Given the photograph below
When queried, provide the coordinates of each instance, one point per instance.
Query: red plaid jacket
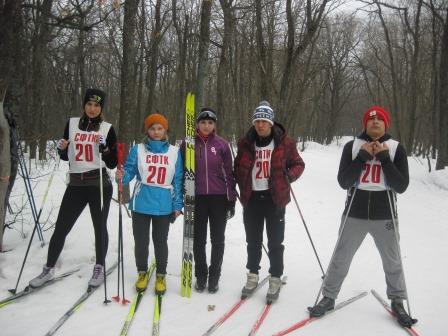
(286, 166)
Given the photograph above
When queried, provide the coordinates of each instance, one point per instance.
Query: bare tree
(204, 42)
(127, 95)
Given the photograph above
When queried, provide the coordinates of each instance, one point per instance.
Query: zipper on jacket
(206, 163)
(368, 206)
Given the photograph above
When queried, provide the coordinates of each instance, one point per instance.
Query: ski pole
(392, 212)
(28, 188)
(120, 186)
(103, 229)
(36, 224)
(341, 230)
(120, 153)
(307, 231)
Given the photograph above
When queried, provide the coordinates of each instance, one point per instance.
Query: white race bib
(372, 177)
(157, 169)
(83, 151)
(262, 167)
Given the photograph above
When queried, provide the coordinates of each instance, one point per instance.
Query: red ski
(308, 320)
(232, 310)
(410, 330)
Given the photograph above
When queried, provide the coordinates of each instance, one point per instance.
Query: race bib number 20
(371, 173)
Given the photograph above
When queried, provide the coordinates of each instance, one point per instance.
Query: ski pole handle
(120, 153)
(120, 160)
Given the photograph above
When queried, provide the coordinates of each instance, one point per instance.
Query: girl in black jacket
(89, 144)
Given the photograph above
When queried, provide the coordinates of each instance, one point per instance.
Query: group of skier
(373, 168)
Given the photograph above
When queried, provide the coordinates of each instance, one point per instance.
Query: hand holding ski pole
(62, 144)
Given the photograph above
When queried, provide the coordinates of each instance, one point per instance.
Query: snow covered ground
(423, 212)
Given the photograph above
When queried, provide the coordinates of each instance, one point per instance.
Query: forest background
(320, 63)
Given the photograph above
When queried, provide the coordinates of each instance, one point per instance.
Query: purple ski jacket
(214, 167)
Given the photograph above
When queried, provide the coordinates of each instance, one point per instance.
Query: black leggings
(211, 208)
(73, 203)
(160, 228)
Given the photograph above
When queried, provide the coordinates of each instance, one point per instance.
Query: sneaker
(401, 314)
(46, 275)
(213, 283)
(160, 287)
(142, 281)
(200, 284)
(97, 276)
(324, 305)
(275, 284)
(251, 284)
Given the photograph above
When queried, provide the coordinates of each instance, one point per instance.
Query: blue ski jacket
(152, 200)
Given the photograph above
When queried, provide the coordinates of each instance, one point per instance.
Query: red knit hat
(379, 112)
(156, 118)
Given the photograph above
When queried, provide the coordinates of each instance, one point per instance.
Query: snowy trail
(423, 213)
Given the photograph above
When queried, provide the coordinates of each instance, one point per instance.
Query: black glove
(230, 209)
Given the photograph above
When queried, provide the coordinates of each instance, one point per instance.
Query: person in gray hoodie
(215, 199)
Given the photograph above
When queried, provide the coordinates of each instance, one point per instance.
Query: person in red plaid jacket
(266, 163)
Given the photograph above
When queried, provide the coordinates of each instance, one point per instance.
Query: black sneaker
(213, 283)
(200, 284)
(322, 307)
(401, 314)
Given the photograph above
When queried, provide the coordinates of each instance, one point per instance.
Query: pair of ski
(189, 185)
(90, 290)
(135, 304)
(29, 290)
(267, 308)
(342, 304)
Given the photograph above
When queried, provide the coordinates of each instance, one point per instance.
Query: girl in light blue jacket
(157, 196)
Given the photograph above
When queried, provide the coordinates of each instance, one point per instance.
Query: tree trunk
(262, 64)
(413, 94)
(127, 94)
(395, 108)
(5, 159)
(204, 41)
(38, 78)
(182, 38)
(442, 159)
(156, 36)
(223, 85)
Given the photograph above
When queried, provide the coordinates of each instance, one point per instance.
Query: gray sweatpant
(353, 235)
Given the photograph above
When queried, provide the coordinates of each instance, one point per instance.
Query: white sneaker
(46, 275)
(274, 289)
(251, 284)
(97, 276)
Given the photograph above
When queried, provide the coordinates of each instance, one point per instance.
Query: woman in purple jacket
(215, 199)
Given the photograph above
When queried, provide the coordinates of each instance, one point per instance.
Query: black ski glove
(230, 209)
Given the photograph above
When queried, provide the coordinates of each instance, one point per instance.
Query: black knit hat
(207, 113)
(95, 95)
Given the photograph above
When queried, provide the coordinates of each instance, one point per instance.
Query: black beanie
(95, 95)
